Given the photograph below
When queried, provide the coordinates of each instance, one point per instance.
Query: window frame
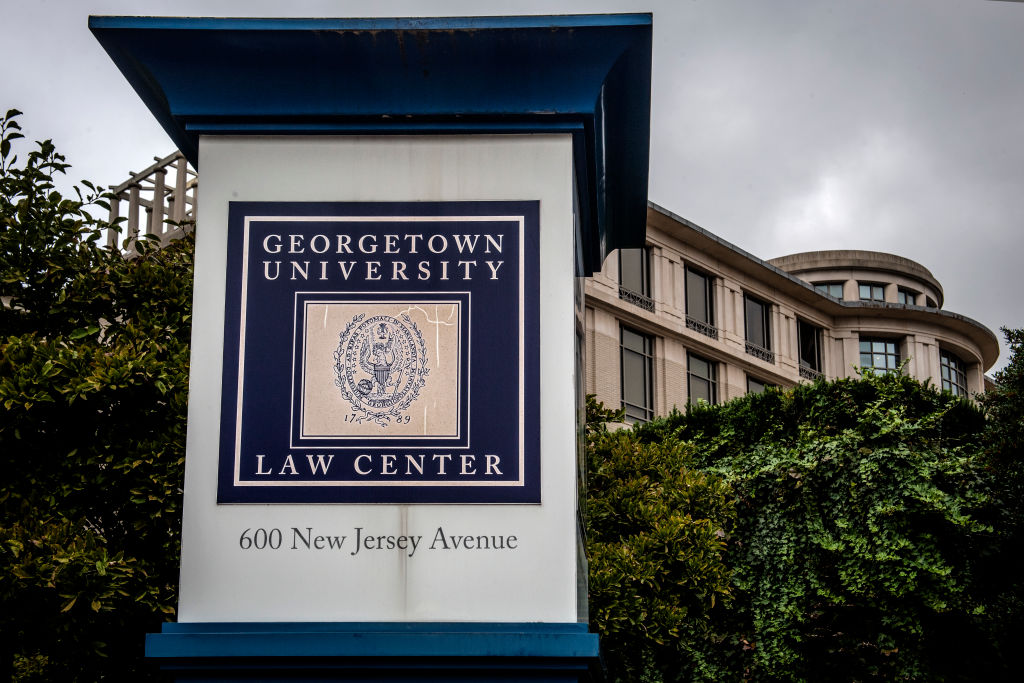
(711, 380)
(647, 356)
(806, 369)
(642, 298)
(826, 288)
(759, 348)
(704, 326)
(908, 294)
(952, 368)
(872, 286)
(764, 385)
(872, 352)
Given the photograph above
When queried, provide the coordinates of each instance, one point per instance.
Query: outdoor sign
(381, 386)
(381, 352)
(380, 470)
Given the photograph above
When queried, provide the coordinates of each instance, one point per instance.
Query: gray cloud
(783, 126)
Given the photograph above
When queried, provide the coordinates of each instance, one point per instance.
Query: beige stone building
(693, 317)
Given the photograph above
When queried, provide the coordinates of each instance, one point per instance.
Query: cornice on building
(858, 260)
(774, 277)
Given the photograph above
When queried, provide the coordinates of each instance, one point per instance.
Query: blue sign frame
(381, 352)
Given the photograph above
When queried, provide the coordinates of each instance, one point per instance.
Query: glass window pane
(756, 322)
(879, 354)
(634, 341)
(633, 389)
(701, 379)
(698, 297)
(809, 340)
(832, 288)
(871, 292)
(700, 389)
(636, 375)
(632, 269)
(954, 373)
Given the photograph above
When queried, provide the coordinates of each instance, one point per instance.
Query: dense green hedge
(868, 536)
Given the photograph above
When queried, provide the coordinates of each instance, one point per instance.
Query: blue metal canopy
(589, 76)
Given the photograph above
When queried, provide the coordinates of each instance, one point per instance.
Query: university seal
(380, 366)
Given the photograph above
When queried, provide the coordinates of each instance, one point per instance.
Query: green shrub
(859, 509)
(93, 392)
(656, 540)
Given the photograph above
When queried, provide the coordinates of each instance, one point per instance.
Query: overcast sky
(781, 125)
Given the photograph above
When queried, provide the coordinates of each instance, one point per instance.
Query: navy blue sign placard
(381, 352)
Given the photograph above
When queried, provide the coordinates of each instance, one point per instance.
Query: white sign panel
(335, 471)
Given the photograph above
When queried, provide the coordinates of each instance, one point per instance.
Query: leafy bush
(93, 391)
(656, 542)
(859, 508)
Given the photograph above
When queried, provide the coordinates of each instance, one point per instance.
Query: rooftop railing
(159, 201)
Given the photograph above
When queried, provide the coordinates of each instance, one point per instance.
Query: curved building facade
(692, 317)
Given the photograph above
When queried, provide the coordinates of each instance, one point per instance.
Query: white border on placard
(521, 455)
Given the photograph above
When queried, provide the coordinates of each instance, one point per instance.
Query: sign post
(381, 467)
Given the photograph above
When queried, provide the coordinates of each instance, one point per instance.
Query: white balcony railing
(159, 200)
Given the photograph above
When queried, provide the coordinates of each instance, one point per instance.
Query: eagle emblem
(380, 366)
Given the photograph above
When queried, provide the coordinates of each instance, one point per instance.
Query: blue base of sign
(396, 652)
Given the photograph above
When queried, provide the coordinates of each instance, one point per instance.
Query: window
(880, 355)
(930, 302)
(954, 373)
(831, 288)
(906, 296)
(636, 367)
(756, 386)
(635, 277)
(758, 328)
(700, 309)
(870, 291)
(809, 340)
(701, 379)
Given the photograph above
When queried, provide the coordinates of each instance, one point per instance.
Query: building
(692, 317)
